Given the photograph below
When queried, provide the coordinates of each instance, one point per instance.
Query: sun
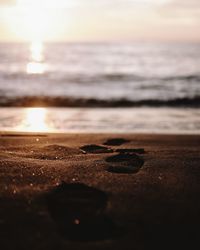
(41, 20)
(35, 18)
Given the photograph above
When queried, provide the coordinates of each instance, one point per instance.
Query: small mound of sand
(52, 152)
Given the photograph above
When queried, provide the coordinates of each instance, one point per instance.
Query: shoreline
(102, 191)
(99, 120)
(85, 134)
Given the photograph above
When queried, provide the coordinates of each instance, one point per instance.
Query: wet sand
(86, 191)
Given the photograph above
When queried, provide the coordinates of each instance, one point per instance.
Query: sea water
(138, 74)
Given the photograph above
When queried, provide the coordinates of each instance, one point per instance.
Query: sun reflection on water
(35, 120)
(35, 68)
(36, 64)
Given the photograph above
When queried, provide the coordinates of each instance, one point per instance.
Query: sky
(100, 20)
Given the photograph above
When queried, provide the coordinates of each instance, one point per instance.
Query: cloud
(191, 4)
(7, 2)
(87, 3)
(183, 5)
(112, 3)
(183, 13)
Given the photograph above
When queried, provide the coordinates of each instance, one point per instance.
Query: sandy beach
(83, 191)
(99, 125)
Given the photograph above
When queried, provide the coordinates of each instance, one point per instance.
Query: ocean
(118, 80)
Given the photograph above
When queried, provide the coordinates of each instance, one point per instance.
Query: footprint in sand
(115, 142)
(124, 163)
(80, 212)
(95, 149)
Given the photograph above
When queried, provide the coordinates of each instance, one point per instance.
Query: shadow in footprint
(124, 163)
(95, 149)
(79, 212)
(115, 142)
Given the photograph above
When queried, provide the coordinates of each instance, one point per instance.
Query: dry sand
(91, 192)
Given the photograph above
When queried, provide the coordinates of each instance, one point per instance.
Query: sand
(90, 191)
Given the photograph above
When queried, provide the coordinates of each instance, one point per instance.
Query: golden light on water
(36, 64)
(35, 68)
(37, 25)
(35, 120)
(37, 51)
